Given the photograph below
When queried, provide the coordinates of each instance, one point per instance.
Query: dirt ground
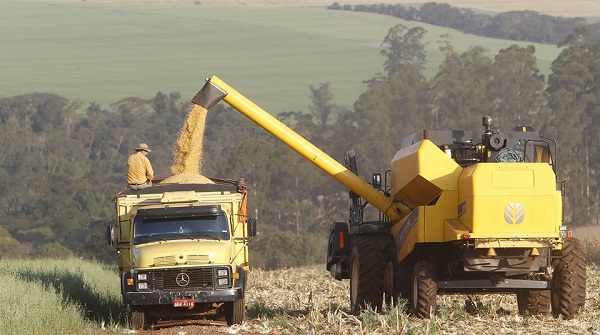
(570, 8)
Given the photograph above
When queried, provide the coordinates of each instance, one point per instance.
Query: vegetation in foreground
(72, 296)
(51, 296)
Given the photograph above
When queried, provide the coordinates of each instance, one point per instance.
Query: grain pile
(187, 178)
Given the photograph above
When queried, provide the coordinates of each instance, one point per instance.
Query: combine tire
(366, 275)
(424, 290)
(534, 302)
(235, 312)
(569, 288)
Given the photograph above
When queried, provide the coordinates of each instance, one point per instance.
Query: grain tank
(460, 214)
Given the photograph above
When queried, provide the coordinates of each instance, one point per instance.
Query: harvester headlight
(142, 276)
(142, 286)
(222, 273)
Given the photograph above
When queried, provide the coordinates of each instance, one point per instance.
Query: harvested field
(308, 301)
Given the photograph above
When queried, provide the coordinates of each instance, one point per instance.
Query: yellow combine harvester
(458, 217)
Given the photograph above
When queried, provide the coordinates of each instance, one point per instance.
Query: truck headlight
(142, 286)
(223, 282)
(142, 276)
(222, 273)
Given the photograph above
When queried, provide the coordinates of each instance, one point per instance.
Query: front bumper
(167, 297)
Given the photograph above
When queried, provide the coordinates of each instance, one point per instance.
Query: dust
(187, 154)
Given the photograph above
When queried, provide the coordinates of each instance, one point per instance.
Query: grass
(104, 52)
(58, 297)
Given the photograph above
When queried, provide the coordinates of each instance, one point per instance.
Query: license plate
(184, 303)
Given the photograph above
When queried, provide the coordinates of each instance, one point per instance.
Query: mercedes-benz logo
(182, 279)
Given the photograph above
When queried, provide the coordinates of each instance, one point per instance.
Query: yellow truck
(458, 213)
(183, 251)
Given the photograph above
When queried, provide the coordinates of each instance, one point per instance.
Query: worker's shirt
(139, 169)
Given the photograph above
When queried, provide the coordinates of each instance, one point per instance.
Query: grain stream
(187, 154)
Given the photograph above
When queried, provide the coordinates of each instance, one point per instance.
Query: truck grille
(186, 279)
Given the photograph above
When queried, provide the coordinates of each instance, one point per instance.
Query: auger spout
(215, 90)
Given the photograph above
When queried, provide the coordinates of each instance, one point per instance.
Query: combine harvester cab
(457, 217)
(183, 251)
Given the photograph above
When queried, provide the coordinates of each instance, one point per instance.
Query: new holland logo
(514, 213)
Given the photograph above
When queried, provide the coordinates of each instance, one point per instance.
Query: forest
(61, 163)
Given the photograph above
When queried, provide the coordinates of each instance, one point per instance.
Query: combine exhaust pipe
(215, 90)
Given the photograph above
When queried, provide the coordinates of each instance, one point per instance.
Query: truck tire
(424, 290)
(235, 312)
(136, 320)
(569, 287)
(366, 275)
(534, 302)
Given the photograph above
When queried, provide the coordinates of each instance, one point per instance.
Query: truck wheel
(366, 275)
(235, 312)
(534, 302)
(569, 288)
(424, 290)
(136, 320)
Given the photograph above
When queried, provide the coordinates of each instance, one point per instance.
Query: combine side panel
(408, 232)
(445, 207)
(500, 200)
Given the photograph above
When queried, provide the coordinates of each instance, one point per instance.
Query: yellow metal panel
(513, 178)
(521, 201)
(454, 230)
(180, 252)
(446, 207)
(181, 196)
(408, 232)
(420, 172)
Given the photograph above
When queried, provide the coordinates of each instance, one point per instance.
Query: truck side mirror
(376, 180)
(251, 226)
(110, 235)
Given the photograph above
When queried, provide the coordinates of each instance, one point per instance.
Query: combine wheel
(366, 275)
(533, 302)
(235, 312)
(569, 288)
(424, 290)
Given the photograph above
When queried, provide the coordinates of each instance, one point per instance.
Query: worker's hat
(143, 146)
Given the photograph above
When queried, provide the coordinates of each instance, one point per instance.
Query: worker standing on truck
(139, 169)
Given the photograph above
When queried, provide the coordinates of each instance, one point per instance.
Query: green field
(104, 52)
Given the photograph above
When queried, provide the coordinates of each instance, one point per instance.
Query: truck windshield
(164, 229)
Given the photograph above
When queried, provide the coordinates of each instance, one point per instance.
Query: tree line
(61, 163)
(525, 25)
